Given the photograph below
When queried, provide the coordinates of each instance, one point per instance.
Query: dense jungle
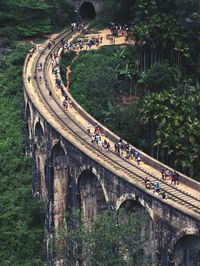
(158, 77)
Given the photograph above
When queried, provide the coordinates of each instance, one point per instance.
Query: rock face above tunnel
(87, 9)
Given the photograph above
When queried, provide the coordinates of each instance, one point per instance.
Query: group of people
(81, 43)
(94, 41)
(55, 70)
(156, 188)
(122, 148)
(111, 39)
(39, 67)
(55, 62)
(166, 173)
(76, 26)
(96, 138)
(50, 44)
(67, 103)
(173, 175)
(119, 29)
(73, 46)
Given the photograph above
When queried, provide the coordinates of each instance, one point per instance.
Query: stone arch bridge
(69, 171)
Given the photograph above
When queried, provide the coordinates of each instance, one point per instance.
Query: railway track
(69, 123)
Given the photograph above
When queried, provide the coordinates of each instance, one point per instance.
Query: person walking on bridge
(174, 178)
(157, 187)
(89, 126)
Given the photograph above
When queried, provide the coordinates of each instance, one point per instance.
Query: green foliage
(116, 11)
(26, 18)
(62, 13)
(66, 61)
(156, 78)
(167, 31)
(21, 217)
(112, 239)
(88, 89)
(174, 118)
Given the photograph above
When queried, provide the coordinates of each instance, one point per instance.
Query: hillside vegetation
(22, 216)
(28, 18)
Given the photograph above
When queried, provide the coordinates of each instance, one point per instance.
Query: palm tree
(119, 54)
(127, 73)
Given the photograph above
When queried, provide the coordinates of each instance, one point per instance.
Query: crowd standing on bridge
(172, 175)
(120, 148)
(127, 150)
(96, 138)
(156, 188)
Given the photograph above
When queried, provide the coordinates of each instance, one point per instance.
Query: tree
(119, 55)
(126, 72)
(113, 239)
(62, 14)
(27, 17)
(156, 78)
(174, 122)
(116, 11)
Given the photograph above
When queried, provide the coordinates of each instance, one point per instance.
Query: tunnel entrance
(87, 11)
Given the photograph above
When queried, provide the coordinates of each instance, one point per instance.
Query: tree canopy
(26, 18)
(114, 238)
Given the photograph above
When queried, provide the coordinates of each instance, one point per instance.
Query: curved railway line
(71, 125)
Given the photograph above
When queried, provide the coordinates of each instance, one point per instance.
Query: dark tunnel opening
(87, 11)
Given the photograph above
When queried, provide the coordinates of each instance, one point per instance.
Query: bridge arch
(38, 133)
(141, 210)
(60, 181)
(92, 199)
(132, 196)
(187, 250)
(95, 172)
(39, 160)
(87, 10)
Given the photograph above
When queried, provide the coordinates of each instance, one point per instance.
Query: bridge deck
(72, 125)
